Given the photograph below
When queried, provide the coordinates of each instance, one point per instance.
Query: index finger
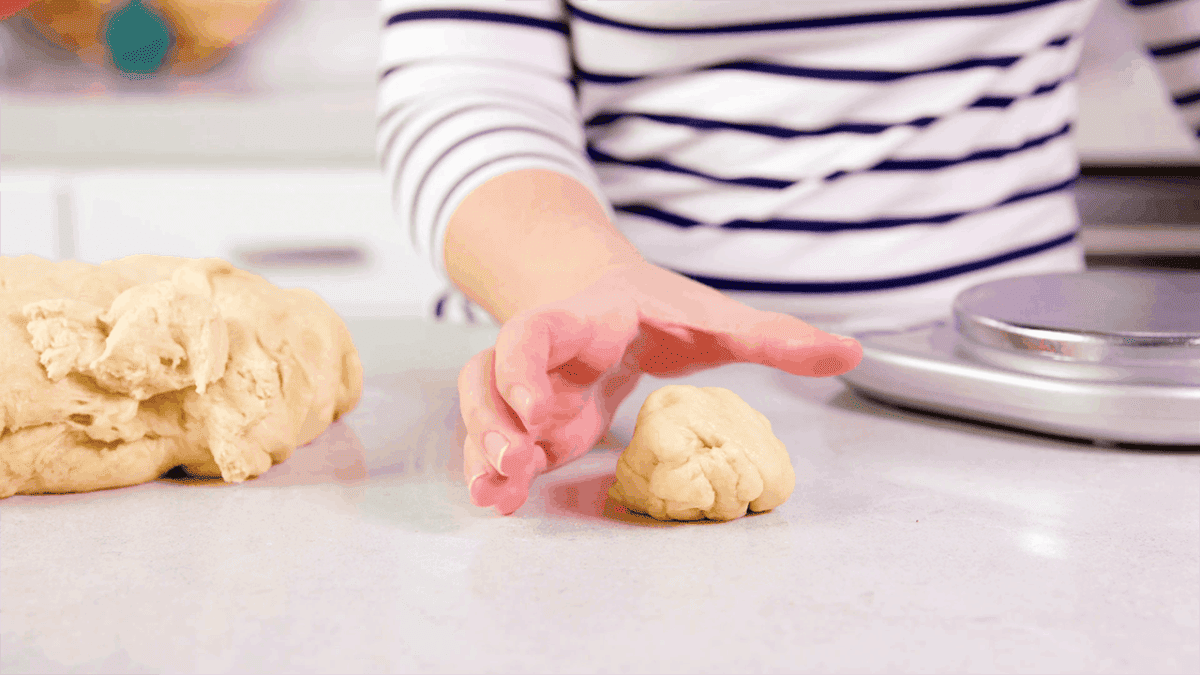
(792, 345)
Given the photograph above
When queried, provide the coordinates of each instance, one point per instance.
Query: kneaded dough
(702, 453)
(113, 374)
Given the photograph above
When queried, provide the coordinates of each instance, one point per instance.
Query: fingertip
(510, 501)
(845, 340)
(819, 358)
(471, 487)
(487, 489)
(853, 353)
(844, 357)
(517, 459)
(828, 366)
(505, 494)
(856, 357)
(496, 445)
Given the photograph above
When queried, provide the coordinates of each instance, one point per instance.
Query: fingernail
(495, 445)
(471, 483)
(521, 401)
(471, 486)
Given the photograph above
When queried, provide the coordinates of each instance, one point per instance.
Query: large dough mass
(112, 374)
(702, 453)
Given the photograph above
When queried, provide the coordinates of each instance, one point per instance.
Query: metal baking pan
(1110, 356)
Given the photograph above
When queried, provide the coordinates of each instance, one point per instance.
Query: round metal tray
(1116, 318)
(1111, 356)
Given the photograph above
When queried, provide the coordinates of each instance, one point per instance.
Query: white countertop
(912, 544)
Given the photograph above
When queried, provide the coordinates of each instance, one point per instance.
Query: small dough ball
(702, 453)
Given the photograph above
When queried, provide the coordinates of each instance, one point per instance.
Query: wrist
(531, 237)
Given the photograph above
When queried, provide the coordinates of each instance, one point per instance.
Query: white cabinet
(331, 231)
(29, 221)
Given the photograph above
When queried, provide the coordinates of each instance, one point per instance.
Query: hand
(549, 388)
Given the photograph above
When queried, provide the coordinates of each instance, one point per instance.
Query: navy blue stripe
(476, 15)
(912, 164)
(833, 74)
(771, 130)
(979, 155)
(843, 74)
(596, 78)
(662, 165)
(820, 22)
(1005, 101)
(798, 225)
(1188, 98)
(441, 304)
(837, 74)
(608, 117)
(568, 81)
(656, 214)
(1046, 88)
(1146, 3)
(1164, 51)
(993, 102)
(876, 284)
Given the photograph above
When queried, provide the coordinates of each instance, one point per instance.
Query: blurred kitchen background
(257, 145)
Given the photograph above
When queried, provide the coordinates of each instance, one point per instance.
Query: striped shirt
(855, 163)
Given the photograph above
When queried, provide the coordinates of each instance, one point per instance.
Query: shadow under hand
(583, 494)
(587, 498)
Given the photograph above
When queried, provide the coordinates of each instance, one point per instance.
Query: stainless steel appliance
(1112, 356)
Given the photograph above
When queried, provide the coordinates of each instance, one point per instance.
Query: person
(634, 188)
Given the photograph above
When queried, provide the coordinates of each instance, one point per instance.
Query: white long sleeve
(467, 94)
(853, 162)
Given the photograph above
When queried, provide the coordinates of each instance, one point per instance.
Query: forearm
(530, 237)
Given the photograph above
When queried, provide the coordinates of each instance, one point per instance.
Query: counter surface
(912, 544)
